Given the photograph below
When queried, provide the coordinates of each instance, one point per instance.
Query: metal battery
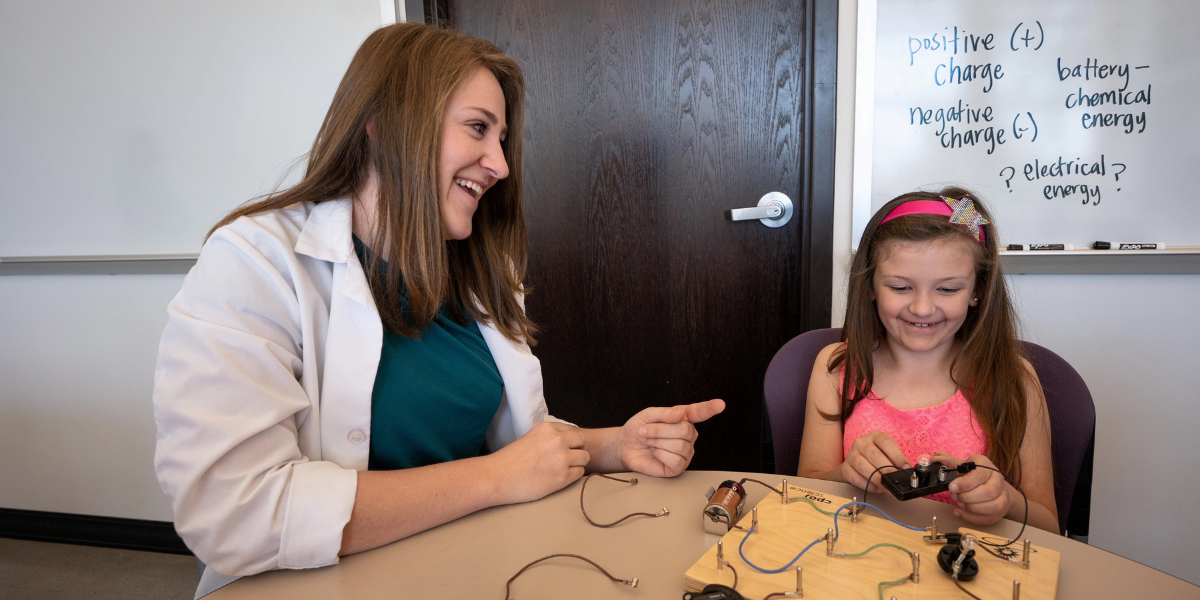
(724, 507)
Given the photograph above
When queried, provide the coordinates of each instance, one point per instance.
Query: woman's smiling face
(471, 159)
(923, 290)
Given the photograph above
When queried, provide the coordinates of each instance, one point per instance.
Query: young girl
(930, 366)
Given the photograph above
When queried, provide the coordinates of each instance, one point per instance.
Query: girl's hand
(982, 495)
(545, 460)
(869, 452)
(661, 441)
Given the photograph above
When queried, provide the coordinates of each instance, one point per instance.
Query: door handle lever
(773, 210)
(758, 212)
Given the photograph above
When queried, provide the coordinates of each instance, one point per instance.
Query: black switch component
(948, 555)
(919, 481)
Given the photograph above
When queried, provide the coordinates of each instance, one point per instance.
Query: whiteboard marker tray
(1173, 260)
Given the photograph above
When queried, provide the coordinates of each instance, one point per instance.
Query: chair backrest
(785, 391)
(1072, 418)
(1072, 436)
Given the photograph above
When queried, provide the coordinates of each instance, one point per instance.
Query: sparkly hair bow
(965, 213)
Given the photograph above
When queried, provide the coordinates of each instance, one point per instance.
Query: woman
(371, 316)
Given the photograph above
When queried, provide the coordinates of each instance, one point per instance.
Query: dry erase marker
(1128, 246)
(1034, 247)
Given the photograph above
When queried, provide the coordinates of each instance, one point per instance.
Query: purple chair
(1072, 419)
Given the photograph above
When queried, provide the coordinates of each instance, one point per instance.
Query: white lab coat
(262, 393)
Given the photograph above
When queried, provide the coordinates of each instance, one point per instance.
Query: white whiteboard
(1138, 169)
(132, 126)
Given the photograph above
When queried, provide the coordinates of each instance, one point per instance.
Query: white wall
(843, 189)
(77, 366)
(1131, 337)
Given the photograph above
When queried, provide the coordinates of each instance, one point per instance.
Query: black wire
(622, 519)
(762, 483)
(1023, 523)
(508, 585)
(965, 590)
(1002, 474)
(880, 479)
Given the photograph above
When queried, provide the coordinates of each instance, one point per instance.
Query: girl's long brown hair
(399, 81)
(988, 370)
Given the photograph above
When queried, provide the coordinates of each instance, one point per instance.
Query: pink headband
(961, 212)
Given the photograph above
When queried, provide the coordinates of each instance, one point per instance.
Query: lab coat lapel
(327, 235)
(354, 340)
(522, 406)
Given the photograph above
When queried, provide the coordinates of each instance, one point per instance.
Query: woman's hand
(982, 495)
(545, 460)
(660, 441)
(868, 453)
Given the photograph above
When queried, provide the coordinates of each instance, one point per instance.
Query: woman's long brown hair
(988, 369)
(399, 81)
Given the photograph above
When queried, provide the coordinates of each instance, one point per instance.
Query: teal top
(435, 396)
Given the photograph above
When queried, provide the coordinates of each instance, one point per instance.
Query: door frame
(817, 172)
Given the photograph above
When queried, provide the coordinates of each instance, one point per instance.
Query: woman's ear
(371, 128)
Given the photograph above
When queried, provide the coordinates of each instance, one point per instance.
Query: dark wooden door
(646, 121)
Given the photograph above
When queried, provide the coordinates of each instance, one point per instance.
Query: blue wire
(780, 569)
(741, 546)
(885, 515)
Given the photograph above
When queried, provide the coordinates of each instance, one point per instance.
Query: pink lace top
(949, 427)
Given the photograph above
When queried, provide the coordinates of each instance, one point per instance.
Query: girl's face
(471, 159)
(923, 290)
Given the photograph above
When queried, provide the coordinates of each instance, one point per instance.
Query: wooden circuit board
(784, 530)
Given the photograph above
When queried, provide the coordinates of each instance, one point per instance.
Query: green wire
(864, 552)
(879, 546)
(814, 505)
(883, 583)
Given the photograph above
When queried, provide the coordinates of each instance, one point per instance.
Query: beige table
(474, 556)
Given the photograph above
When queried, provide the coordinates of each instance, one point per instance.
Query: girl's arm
(821, 446)
(986, 497)
(821, 449)
(1037, 466)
